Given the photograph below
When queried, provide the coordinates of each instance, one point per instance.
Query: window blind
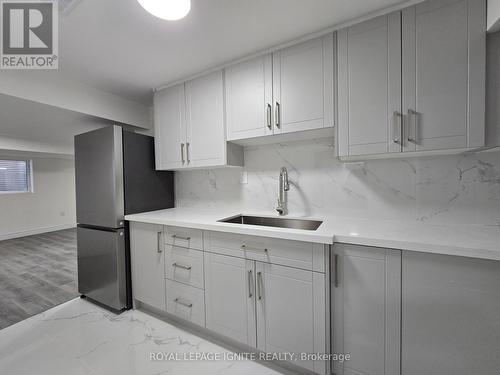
(14, 176)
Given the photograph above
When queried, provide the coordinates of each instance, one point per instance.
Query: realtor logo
(29, 34)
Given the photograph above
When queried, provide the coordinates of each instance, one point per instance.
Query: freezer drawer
(102, 266)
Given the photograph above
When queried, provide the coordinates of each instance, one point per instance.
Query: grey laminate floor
(36, 273)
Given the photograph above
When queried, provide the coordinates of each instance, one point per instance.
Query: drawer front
(184, 237)
(297, 254)
(186, 302)
(184, 265)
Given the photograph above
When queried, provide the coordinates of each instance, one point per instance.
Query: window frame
(29, 172)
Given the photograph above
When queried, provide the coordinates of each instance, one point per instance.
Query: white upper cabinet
(303, 86)
(444, 74)
(170, 127)
(206, 140)
(369, 63)
(190, 126)
(413, 80)
(290, 91)
(249, 98)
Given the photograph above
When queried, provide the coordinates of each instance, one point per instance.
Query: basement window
(15, 176)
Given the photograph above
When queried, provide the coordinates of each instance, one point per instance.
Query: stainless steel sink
(273, 222)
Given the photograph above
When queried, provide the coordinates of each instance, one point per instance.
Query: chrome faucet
(283, 187)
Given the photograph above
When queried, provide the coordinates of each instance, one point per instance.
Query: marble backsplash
(456, 189)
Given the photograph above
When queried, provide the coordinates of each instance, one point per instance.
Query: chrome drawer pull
(259, 286)
(398, 125)
(277, 115)
(412, 138)
(250, 283)
(181, 302)
(174, 236)
(158, 242)
(181, 266)
(336, 270)
(245, 247)
(269, 122)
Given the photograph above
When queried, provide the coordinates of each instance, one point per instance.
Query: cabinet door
(366, 309)
(148, 265)
(170, 127)
(206, 141)
(369, 74)
(303, 77)
(443, 73)
(249, 99)
(451, 319)
(291, 312)
(230, 297)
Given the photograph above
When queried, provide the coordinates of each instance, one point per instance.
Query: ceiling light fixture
(170, 10)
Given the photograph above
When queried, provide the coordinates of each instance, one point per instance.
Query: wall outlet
(244, 177)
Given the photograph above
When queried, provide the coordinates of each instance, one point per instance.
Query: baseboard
(31, 232)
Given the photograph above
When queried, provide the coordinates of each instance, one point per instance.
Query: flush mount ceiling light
(170, 10)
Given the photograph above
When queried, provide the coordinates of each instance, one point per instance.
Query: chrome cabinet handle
(177, 265)
(183, 303)
(174, 236)
(259, 286)
(182, 153)
(336, 270)
(397, 127)
(413, 126)
(187, 153)
(158, 242)
(245, 247)
(277, 115)
(250, 284)
(269, 121)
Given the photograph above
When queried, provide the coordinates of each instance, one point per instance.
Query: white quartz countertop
(475, 241)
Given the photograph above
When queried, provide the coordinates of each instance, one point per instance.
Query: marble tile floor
(78, 337)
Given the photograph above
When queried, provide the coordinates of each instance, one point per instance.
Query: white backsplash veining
(455, 189)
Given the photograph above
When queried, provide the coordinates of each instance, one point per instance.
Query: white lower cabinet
(230, 302)
(274, 308)
(291, 312)
(184, 265)
(451, 315)
(148, 264)
(185, 302)
(366, 309)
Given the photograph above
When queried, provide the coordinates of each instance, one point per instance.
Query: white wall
(461, 189)
(50, 207)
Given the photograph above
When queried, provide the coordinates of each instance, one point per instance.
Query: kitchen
(320, 201)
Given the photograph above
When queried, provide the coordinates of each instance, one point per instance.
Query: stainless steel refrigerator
(115, 176)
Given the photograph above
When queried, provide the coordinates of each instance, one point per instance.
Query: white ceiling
(52, 126)
(114, 45)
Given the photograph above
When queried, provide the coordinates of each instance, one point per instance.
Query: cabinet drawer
(186, 302)
(184, 265)
(297, 254)
(184, 237)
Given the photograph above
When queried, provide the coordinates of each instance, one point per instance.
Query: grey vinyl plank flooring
(36, 273)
